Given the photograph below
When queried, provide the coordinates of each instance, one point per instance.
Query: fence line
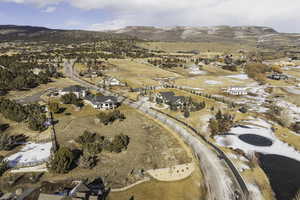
(221, 153)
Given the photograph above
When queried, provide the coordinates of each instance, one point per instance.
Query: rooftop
(74, 88)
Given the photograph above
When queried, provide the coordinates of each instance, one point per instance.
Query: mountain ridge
(260, 36)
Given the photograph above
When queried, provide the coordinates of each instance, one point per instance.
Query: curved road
(220, 180)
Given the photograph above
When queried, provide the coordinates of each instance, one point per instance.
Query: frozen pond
(260, 128)
(280, 161)
(256, 140)
(283, 174)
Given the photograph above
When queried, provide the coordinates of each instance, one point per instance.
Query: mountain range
(264, 37)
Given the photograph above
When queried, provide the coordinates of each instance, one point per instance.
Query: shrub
(296, 127)
(3, 127)
(119, 143)
(280, 115)
(257, 71)
(71, 98)
(110, 117)
(87, 161)
(243, 109)
(277, 69)
(8, 142)
(37, 123)
(3, 167)
(186, 114)
(221, 123)
(54, 107)
(92, 148)
(62, 160)
(86, 137)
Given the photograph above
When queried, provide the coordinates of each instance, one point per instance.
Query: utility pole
(54, 147)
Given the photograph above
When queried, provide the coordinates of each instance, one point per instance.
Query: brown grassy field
(137, 74)
(172, 47)
(187, 189)
(151, 146)
(285, 135)
(57, 83)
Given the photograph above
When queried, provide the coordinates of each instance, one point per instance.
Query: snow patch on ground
(261, 128)
(205, 119)
(239, 76)
(294, 110)
(293, 90)
(213, 82)
(194, 69)
(242, 167)
(256, 103)
(30, 154)
(254, 191)
(39, 168)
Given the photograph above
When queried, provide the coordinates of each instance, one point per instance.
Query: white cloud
(280, 14)
(50, 9)
(71, 23)
(39, 3)
(275, 13)
(109, 25)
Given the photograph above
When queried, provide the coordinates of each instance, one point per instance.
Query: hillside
(30, 33)
(264, 37)
(261, 37)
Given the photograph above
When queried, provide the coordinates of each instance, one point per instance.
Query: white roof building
(236, 90)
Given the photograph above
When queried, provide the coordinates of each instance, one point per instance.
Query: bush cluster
(71, 98)
(257, 71)
(34, 114)
(110, 117)
(221, 123)
(93, 144)
(62, 160)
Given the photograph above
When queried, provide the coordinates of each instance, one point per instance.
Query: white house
(111, 81)
(236, 90)
(78, 90)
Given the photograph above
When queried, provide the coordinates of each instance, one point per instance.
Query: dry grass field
(172, 47)
(137, 74)
(214, 80)
(187, 189)
(285, 135)
(151, 146)
(57, 83)
(257, 176)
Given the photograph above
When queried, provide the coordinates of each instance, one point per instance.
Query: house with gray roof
(78, 90)
(278, 77)
(170, 98)
(102, 102)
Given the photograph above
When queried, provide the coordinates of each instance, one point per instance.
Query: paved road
(32, 98)
(220, 181)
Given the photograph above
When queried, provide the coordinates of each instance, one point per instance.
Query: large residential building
(236, 90)
(78, 90)
(278, 76)
(170, 99)
(102, 102)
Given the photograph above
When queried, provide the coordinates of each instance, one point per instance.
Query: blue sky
(63, 16)
(112, 14)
